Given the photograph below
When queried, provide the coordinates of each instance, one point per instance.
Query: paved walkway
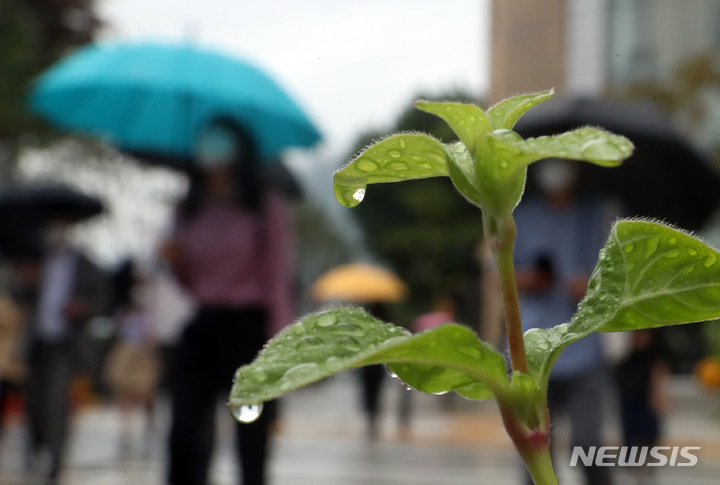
(321, 441)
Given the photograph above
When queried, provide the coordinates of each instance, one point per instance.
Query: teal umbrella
(154, 99)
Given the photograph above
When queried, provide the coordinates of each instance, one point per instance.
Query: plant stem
(503, 253)
(532, 444)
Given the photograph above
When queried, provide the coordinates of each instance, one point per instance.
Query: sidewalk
(321, 441)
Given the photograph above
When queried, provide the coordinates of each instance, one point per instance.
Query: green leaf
(400, 157)
(468, 121)
(584, 144)
(507, 112)
(649, 275)
(462, 173)
(446, 358)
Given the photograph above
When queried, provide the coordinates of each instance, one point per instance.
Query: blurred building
(595, 46)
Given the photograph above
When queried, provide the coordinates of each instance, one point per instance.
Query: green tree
(34, 34)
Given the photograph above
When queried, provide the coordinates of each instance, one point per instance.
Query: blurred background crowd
(166, 198)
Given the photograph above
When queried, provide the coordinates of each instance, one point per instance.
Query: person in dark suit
(67, 291)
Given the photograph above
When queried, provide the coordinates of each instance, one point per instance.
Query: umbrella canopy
(665, 178)
(24, 210)
(359, 283)
(154, 99)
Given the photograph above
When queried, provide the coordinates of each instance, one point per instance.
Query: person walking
(231, 251)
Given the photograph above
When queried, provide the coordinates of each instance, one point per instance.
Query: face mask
(555, 175)
(217, 146)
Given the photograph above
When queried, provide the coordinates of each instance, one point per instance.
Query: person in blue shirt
(560, 233)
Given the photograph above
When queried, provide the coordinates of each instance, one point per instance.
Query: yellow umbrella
(359, 283)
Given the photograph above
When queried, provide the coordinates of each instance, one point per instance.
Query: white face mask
(555, 175)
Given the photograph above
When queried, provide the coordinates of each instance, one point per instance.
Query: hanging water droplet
(359, 195)
(247, 413)
(391, 373)
(326, 320)
(601, 150)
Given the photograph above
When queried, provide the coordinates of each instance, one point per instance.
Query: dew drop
(504, 164)
(345, 328)
(692, 252)
(472, 118)
(366, 165)
(349, 343)
(391, 373)
(671, 240)
(710, 260)
(394, 153)
(305, 371)
(359, 195)
(652, 245)
(507, 136)
(425, 165)
(403, 144)
(629, 248)
(673, 254)
(398, 166)
(472, 352)
(326, 320)
(601, 150)
(247, 413)
(563, 328)
(309, 342)
(543, 344)
(259, 376)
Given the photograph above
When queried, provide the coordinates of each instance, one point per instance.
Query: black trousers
(214, 344)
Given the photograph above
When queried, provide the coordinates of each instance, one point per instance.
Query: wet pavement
(321, 440)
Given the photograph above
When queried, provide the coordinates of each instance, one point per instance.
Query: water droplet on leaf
(349, 343)
(394, 153)
(326, 320)
(629, 248)
(309, 342)
(366, 165)
(359, 195)
(601, 150)
(710, 260)
(247, 413)
(472, 352)
(506, 136)
(543, 344)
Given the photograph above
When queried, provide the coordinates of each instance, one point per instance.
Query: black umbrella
(666, 178)
(25, 210)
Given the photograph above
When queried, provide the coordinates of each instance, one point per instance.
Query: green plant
(648, 275)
